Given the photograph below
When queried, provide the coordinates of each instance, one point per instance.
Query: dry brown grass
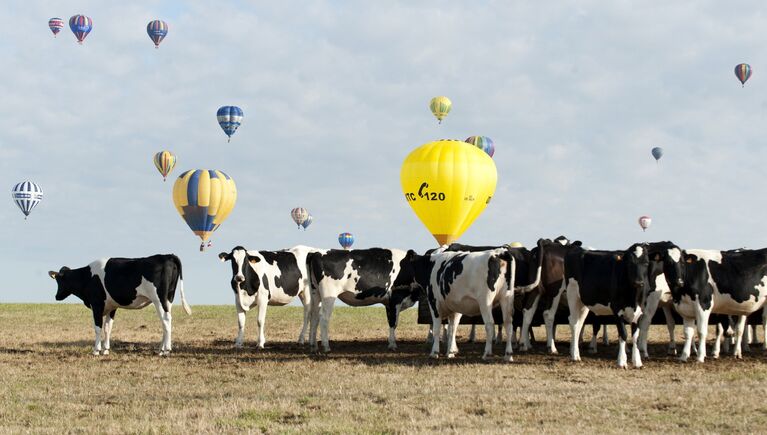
(51, 383)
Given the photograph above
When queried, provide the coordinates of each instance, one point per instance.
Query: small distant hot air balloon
(55, 24)
(204, 199)
(229, 118)
(81, 26)
(157, 30)
(346, 240)
(307, 222)
(657, 152)
(644, 222)
(743, 72)
(26, 195)
(448, 183)
(299, 215)
(440, 107)
(516, 245)
(482, 142)
(164, 161)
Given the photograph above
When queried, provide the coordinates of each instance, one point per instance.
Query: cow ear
(577, 243)
(224, 256)
(53, 274)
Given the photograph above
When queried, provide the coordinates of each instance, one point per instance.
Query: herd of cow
(628, 285)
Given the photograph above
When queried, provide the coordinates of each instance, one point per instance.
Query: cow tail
(180, 287)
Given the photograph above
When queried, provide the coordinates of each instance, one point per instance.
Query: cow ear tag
(689, 260)
(657, 257)
(618, 257)
(253, 260)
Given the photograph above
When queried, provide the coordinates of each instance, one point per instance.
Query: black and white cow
(261, 278)
(132, 283)
(666, 268)
(723, 282)
(471, 283)
(613, 283)
(360, 277)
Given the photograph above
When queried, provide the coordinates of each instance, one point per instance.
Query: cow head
(65, 283)
(666, 258)
(637, 263)
(245, 281)
(695, 276)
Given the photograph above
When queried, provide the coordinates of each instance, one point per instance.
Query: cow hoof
(238, 345)
(392, 347)
(105, 352)
(592, 350)
(700, 360)
(451, 355)
(682, 358)
(738, 356)
(434, 355)
(715, 356)
(508, 358)
(96, 353)
(489, 357)
(623, 366)
(638, 365)
(553, 352)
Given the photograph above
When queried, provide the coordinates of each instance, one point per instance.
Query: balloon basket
(202, 247)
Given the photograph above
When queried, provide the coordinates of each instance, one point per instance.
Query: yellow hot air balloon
(440, 107)
(164, 161)
(448, 183)
(516, 245)
(204, 198)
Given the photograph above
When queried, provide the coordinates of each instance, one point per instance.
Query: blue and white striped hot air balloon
(27, 195)
(346, 240)
(229, 118)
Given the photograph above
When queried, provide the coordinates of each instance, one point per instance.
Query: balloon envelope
(743, 72)
(299, 216)
(440, 107)
(164, 161)
(482, 142)
(307, 222)
(346, 240)
(55, 24)
(644, 222)
(26, 195)
(657, 152)
(204, 199)
(81, 26)
(448, 183)
(229, 118)
(157, 30)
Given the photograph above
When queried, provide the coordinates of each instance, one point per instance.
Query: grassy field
(51, 383)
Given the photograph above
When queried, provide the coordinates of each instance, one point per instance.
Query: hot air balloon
(204, 199)
(81, 26)
(27, 195)
(448, 183)
(346, 240)
(299, 215)
(657, 152)
(440, 107)
(516, 245)
(307, 222)
(229, 118)
(157, 30)
(644, 222)
(482, 142)
(743, 72)
(55, 24)
(164, 161)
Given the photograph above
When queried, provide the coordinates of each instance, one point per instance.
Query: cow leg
(240, 326)
(670, 324)
(701, 317)
(108, 320)
(499, 335)
(747, 337)
(527, 320)
(507, 309)
(452, 328)
(689, 332)
(263, 302)
(717, 340)
(740, 325)
(621, 324)
(644, 323)
(436, 328)
(594, 334)
(487, 317)
(392, 314)
(314, 320)
(325, 312)
(764, 327)
(472, 334)
(578, 313)
(548, 319)
(98, 322)
(165, 321)
(605, 338)
(636, 357)
(306, 301)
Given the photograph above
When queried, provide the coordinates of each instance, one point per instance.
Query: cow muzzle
(239, 278)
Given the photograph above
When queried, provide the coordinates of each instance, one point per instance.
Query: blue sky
(335, 94)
